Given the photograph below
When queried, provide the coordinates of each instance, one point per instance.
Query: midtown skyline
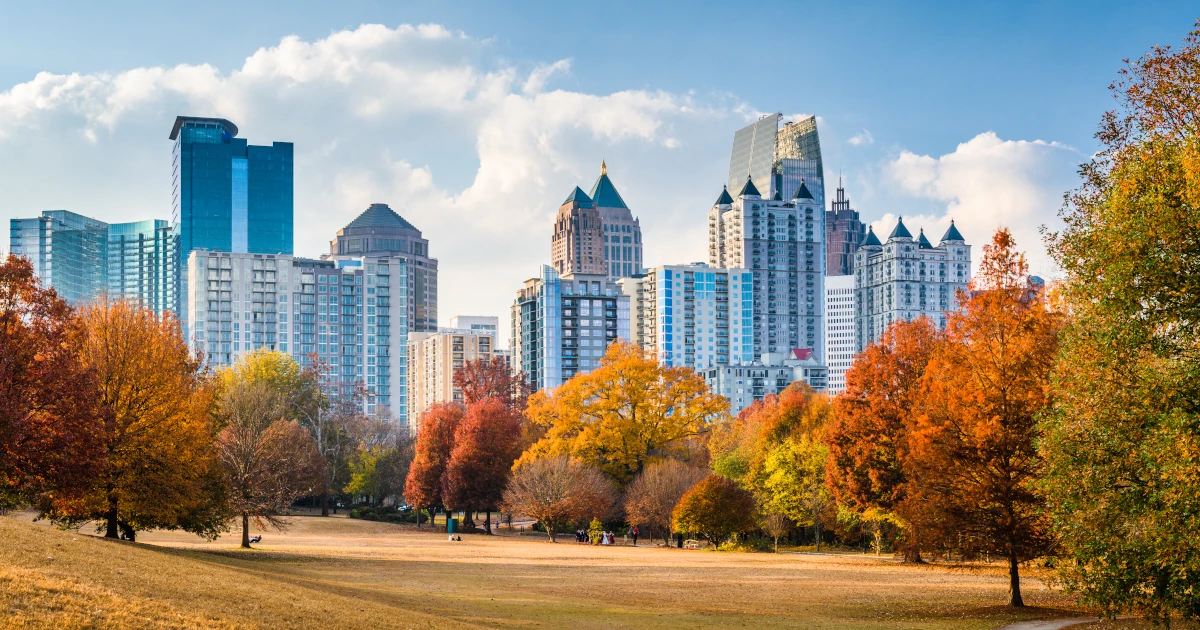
(492, 134)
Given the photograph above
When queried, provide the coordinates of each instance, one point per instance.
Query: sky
(474, 120)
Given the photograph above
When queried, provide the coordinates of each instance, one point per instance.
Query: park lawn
(376, 575)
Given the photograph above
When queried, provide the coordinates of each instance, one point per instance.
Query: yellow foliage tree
(623, 412)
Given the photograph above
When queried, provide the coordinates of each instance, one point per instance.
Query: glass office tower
(227, 195)
(777, 159)
(754, 154)
(141, 264)
(68, 252)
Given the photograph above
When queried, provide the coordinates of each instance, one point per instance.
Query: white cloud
(987, 183)
(473, 152)
(862, 138)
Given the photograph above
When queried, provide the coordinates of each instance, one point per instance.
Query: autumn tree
(157, 427)
(481, 379)
(48, 448)
(378, 471)
(974, 443)
(558, 491)
(1122, 437)
(332, 413)
(486, 443)
(653, 494)
(269, 461)
(435, 441)
(618, 415)
(868, 436)
(716, 508)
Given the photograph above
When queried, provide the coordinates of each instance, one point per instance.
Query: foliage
(435, 441)
(1122, 441)
(974, 442)
(618, 415)
(269, 461)
(653, 494)
(480, 380)
(486, 443)
(379, 471)
(868, 437)
(776, 526)
(335, 422)
(157, 427)
(715, 508)
(48, 449)
(558, 491)
(595, 531)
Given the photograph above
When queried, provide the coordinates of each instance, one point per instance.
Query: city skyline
(462, 159)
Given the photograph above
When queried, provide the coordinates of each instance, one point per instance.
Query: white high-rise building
(434, 357)
(841, 342)
(487, 324)
(906, 278)
(782, 244)
(693, 315)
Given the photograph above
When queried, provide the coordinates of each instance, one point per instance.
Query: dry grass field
(355, 574)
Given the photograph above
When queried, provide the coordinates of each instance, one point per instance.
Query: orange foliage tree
(486, 443)
(716, 508)
(435, 441)
(974, 444)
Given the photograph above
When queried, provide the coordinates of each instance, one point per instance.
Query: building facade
(596, 234)
(778, 158)
(433, 358)
(561, 326)
(844, 232)
(782, 244)
(380, 231)
(841, 340)
(693, 315)
(478, 324)
(350, 314)
(745, 384)
(142, 263)
(227, 195)
(904, 278)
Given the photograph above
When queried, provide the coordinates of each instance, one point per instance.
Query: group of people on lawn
(606, 538)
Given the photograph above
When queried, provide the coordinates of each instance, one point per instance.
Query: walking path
(1046, 624)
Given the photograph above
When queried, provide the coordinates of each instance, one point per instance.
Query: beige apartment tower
(433, 357)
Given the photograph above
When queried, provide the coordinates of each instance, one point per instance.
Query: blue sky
(930, 110)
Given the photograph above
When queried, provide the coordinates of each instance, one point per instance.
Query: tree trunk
(245, 531)
(776, 544)
(111, 516)
(1014, 581)
(325, 502)
(487, 523)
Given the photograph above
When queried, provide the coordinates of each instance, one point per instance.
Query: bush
(715, 509)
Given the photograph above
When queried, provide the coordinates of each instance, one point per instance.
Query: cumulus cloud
(986, 183)
(472, 151)
(861, 138)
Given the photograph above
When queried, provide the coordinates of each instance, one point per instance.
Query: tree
(618, 415)
(48, 448)
(1120, 441)
(332, 414)
(481, 379)
(793, 482)
(653, 494)
(269, 461)
(435, 440)
(868, 437)
(156, 404)
(974, 443)
(776, 525)
(486, 443)
(716, 508)
(558, 491)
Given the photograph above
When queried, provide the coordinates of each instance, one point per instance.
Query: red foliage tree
(435, 440)
(48, 448)
(486, 444)
(492, 379)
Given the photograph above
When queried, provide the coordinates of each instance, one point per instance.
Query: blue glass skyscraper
(227, 195)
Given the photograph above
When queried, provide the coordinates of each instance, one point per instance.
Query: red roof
(801, 353)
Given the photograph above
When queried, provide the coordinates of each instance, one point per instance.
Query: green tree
(1122, 440)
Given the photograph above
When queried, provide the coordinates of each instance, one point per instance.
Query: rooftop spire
(603, 168)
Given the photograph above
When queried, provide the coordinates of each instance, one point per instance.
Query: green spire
(580, 197)
(604, 194)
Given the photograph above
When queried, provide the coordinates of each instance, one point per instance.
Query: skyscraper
(844, 232)
(778, 159)
(380, 231)
(227, 195)
(782, 244)
(596, 234)
(841, 342)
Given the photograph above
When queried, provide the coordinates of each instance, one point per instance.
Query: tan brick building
(433, 358)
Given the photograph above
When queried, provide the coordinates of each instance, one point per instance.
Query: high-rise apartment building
(841, 341)
(906, 278)
(349, 313)
(596, 234)
(844, 232)
(478, 324)
(379, 231)
(561, 326)
(693, 315)
(782, 244)
(433, 358)
(744, 384)
(778, 159)
(227, 195)
(84, 258)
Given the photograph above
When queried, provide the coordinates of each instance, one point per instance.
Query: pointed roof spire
(580, 197)
(802, 192)
(871, 240)
(604, 194)
(603, 168)
(379, 215)
(922, 242)
(900, 231)
(778, 196)
(724, 199)
(749, 188)
(952, 234)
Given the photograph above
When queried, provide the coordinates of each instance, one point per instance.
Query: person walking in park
(633, 533)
